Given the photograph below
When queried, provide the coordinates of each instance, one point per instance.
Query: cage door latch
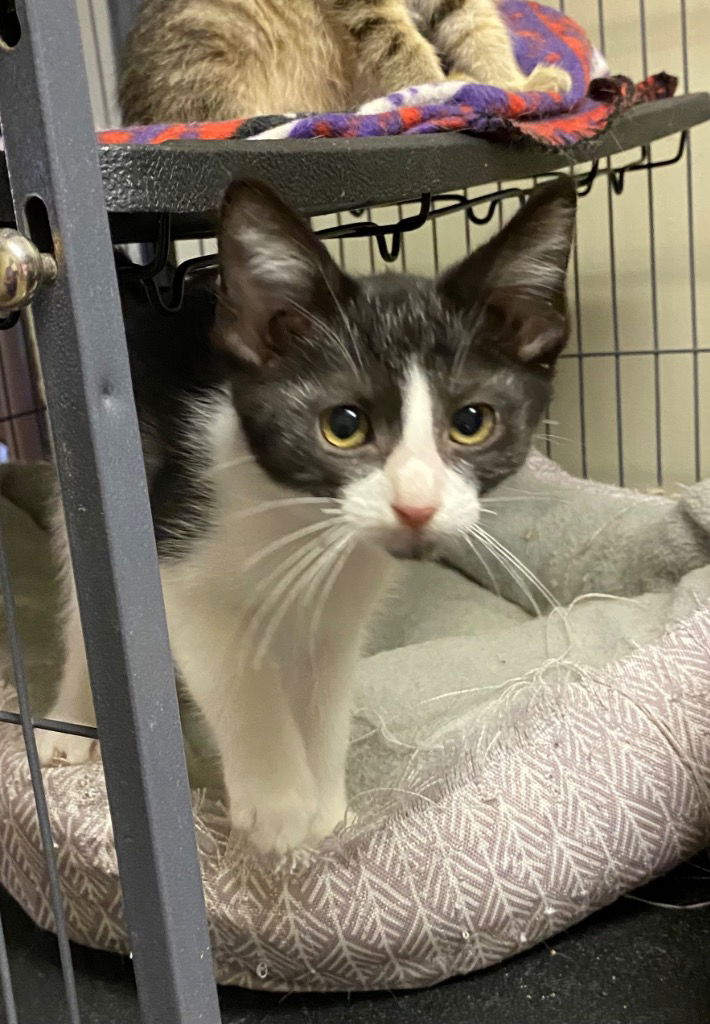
(23, 269)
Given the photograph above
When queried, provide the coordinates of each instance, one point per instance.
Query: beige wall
(646, 384)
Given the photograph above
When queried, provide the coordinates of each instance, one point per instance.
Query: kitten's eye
(473, 424)
(345, 426)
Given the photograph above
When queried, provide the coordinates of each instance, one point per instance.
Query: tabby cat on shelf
(300, 428)
(194, 60)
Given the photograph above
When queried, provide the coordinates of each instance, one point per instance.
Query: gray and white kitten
(320, 426)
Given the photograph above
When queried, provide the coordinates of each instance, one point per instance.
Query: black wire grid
(23, 431)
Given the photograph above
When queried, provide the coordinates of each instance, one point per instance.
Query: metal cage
(632, 406)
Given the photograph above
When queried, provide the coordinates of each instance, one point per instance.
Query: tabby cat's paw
(547, 78)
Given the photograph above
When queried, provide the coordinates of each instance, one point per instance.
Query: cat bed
(539, 34)
(508, 773)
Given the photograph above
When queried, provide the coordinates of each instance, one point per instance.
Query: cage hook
(420, 218)
(171, 299)
(161, 253)
(585, 182)
(486, 217)
(617, 177)
(391, 254)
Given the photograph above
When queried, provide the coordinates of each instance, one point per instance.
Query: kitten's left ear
(519, 277)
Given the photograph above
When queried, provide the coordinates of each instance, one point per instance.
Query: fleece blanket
(539, 34)
(509, 772)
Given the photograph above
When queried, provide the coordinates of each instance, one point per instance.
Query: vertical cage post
(123, 13)
(51, 154)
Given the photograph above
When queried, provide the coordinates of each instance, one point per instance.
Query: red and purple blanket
(551, 119)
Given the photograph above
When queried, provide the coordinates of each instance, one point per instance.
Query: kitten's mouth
(410, 545)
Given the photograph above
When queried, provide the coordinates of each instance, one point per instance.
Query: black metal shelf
(186, 178)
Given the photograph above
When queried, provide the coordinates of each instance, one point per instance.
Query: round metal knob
(23, 268)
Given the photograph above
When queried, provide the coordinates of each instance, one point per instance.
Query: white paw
(379, 106)
(278, 821)
(547, 78)
(327, 819)
(58, 748)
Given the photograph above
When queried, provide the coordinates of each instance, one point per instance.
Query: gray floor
(629, 964)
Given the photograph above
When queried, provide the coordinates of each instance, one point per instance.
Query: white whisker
(516, 567)
(465, 347)
(230, 463)
(512, 572)
(286, 573)
(554, 437)
(289, 538)
(528, 573)
(494, 582)
(329, 579)
(267, 506)
(532, 497)
(295, 583)
(506, 561)
(283, 571)
(507, 489)
(510, 569)
(359, 365)
(334, 338)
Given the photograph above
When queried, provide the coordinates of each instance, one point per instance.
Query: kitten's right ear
(276, 276)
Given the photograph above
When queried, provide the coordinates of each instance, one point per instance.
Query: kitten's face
(404, 399)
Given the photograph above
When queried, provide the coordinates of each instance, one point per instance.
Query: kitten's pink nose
(415, 516)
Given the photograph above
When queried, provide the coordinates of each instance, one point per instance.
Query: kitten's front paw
(547, 78)
(276, 822)
(59, 748)
(327, 819)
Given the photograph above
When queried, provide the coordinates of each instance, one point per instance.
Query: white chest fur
(266, 616)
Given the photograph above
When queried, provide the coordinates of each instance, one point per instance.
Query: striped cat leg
(389, 50)
(474, 38)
